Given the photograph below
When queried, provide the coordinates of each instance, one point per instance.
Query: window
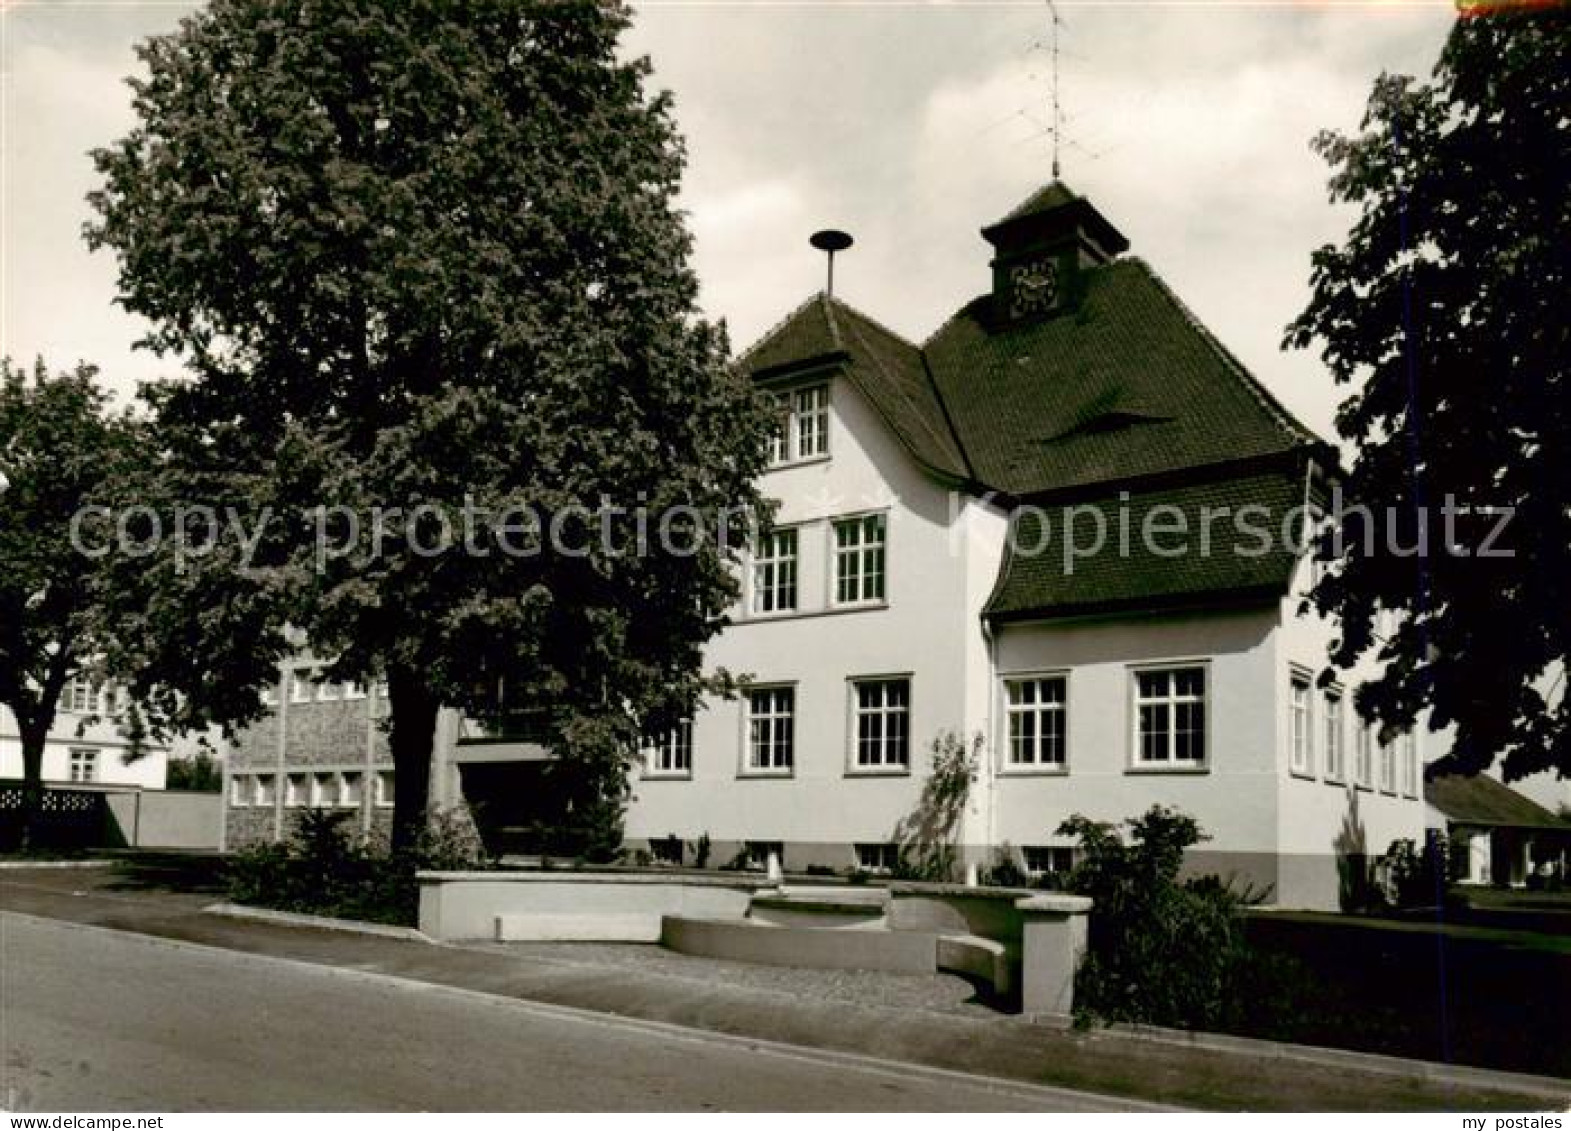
(328, 691)
(354, 690)
(1364, 768)
(270, 694)
(263, 792)
(324, 790)
(297, 790)
(774, 573)
(1333, 725)
(1300, 758)
(240, 791)
(349, 790)
(1170, 707)
(384, 790)
(1387, 767)
(859, 559)
(810, 422)
(771, 729)
(78, 697)
(84, 764)
(1035, 709)
(1407, 761)
(881, 709)
(672, 752)
(1048, 859)
(881, 858)
(804, 431)
(300, 686)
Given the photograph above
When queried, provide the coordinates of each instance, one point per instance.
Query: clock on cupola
(1043, 250)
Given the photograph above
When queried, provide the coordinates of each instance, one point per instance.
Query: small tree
(1160, 951)
(200, 773)
(927, 838)
(61, 452)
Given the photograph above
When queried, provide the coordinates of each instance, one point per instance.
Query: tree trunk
(34, 738)
(412, 739)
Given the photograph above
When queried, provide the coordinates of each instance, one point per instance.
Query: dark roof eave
(1285, 458)
(1210, 599)
(800, 366)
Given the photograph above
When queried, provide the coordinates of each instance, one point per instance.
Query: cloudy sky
(911, 125)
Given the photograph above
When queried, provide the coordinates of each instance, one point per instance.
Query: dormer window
(804, 432)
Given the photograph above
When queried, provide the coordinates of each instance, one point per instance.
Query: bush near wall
(324, 870)
(1164, 951)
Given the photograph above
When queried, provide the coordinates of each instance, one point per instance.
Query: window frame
(1006, 764)
(87, 758)
(855, 767)
(1027, 850)
(860, 550)
(1333, 733)
(1137, 763)
(747, 767)
(672, 742)
(302, 688)
(1300, 723)
(775, 562)
(1364, 757)
(885, 852)
(240, 791)
(785, 446)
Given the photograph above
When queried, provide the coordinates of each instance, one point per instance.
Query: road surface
(93, 1020)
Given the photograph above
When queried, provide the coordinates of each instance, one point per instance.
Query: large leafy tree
(66, 462)
(1445, 312)
(425, 256)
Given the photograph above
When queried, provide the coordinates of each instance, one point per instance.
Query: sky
(910, 125)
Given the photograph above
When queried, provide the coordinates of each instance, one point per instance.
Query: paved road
(98, 1020)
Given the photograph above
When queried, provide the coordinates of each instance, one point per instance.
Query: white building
(86, 746)
(891, 604)
(933, 571)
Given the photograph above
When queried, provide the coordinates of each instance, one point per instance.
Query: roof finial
(831, 240)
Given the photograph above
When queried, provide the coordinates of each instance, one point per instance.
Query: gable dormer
(1041, 250)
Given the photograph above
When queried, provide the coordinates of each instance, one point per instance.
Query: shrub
(1160, 951)
(325, 870)
(1418, 877)
(1004, 872)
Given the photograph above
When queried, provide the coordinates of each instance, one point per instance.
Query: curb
(1428, 1071)
(26, 865)
(319, 922)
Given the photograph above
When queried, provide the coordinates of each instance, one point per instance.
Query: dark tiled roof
(1048, 198)
(885, 368)
(1127, 385)
(1128, 572)
(1482, 800)
(1125, 388)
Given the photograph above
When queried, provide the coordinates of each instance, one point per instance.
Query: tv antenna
(831, 240)
(1058, 123)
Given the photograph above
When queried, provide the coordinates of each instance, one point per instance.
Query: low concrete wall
(571, 906)
(158, 818)
(958, 910)
(901, 952)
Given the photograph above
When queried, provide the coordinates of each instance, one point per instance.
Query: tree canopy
(1445, 313)
(425, 258)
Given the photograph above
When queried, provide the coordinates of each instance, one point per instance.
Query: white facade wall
(1321, 814)
(942, 554)
(148, 771)
(1233, 797)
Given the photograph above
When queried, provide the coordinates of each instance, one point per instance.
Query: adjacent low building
(88, 744)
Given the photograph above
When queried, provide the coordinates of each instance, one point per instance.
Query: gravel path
(947, 992)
